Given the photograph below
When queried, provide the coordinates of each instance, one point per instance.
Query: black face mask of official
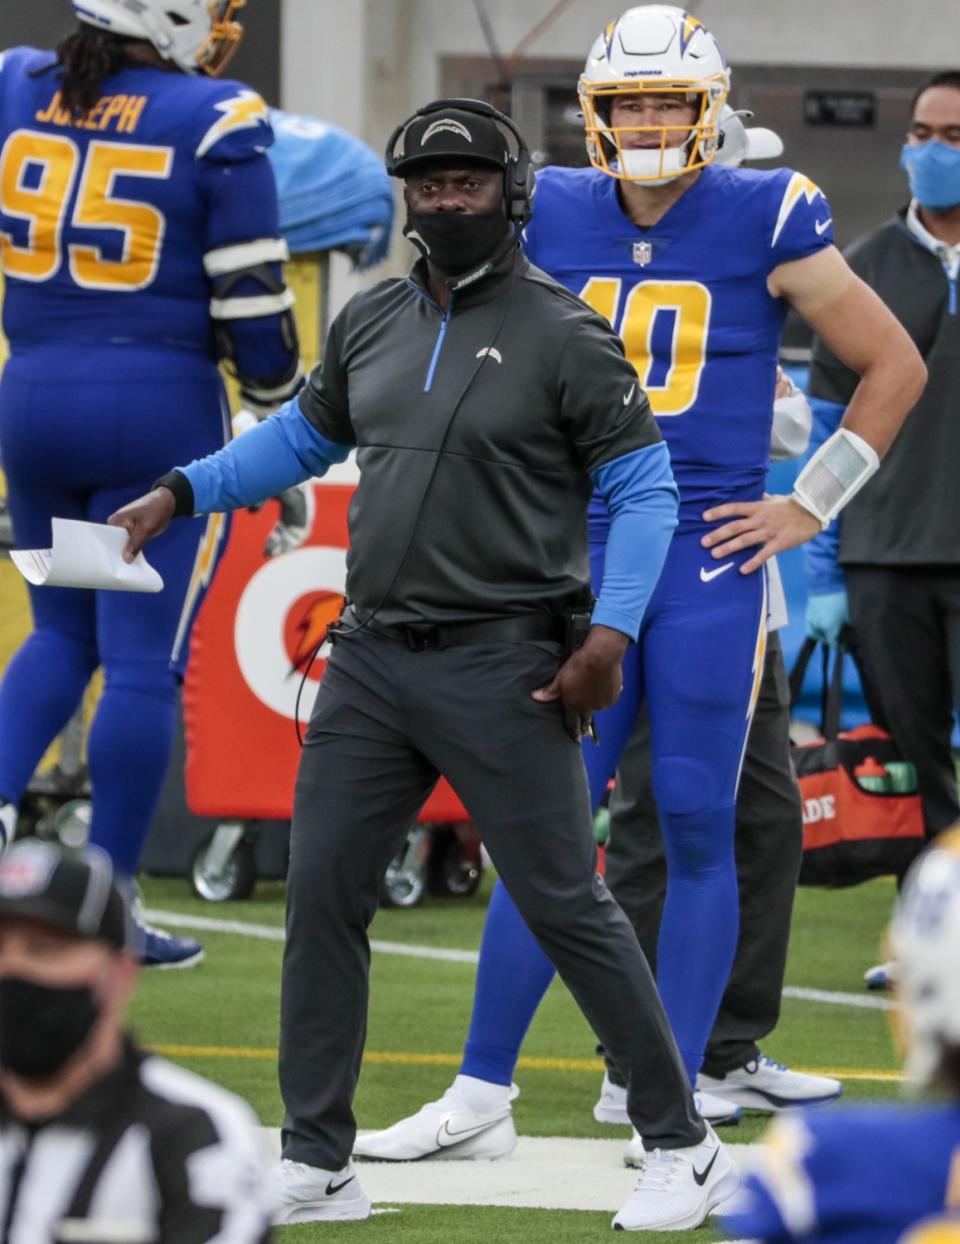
(458, 242)
(42, 1027)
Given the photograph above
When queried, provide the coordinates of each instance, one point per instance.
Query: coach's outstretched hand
(143, 519)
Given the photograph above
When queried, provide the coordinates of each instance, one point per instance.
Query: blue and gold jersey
(689, 298)
(853, 1176)
(104, 222)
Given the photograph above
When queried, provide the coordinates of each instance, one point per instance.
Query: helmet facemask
(655, 165)
(220, 45)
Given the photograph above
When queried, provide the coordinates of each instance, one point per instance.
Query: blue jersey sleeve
(777, 1201)
(283, 450)
(232, 125)
(242, 220)
(801, 221)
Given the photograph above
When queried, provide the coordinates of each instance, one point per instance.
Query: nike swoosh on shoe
(700, 1177)
(446, 1138)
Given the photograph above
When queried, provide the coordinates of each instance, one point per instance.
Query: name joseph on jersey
(122, 112)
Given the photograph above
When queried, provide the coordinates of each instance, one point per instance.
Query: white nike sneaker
(301, 1193)
(678, 1188)
(765, 1085)
(611, 1107)
(635, 1155)
(445, 1130)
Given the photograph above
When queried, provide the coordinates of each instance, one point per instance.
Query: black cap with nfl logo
(76, 894)
(448, 134)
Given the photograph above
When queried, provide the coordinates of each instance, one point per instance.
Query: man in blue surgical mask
(891, 563)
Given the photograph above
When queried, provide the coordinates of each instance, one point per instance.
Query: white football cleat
(765, 1085)
(301, 1193)
(446, 1130)
(611, 1107)
(678, 1188)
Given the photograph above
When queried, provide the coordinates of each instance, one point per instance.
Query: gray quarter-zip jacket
(477, 430)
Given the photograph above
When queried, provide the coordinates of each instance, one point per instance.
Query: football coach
(486, 404)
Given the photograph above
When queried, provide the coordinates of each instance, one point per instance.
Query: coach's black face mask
(458, 242)
(42, 1027)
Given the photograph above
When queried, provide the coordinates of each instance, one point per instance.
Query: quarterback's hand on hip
(826, 616)
(590, 679)
(143, 519)
(775, 523)
(295, 521)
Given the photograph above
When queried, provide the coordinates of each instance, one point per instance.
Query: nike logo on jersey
(707, 575)
(487, 351)
(700, 1177)
(628, 396)
(822, 228)
(446, 1138)
(333, 1189)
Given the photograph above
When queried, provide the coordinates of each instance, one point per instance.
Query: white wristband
(835, 474)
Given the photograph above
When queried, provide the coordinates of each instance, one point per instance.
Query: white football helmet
(925, 942)
(740, 142)
(654, 49)
(199, 36)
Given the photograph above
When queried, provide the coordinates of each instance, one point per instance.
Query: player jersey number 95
(38, 173)
(664, 327)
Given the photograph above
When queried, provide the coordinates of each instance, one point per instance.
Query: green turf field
(220, 1019)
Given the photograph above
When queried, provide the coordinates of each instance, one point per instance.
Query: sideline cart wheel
(455, 866)
(224, 866)
(405, 883)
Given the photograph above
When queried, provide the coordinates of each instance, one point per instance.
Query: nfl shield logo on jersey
(642, 253)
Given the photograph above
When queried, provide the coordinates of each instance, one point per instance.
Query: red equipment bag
(860, 817)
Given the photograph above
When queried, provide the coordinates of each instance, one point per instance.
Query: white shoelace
(659, 1172)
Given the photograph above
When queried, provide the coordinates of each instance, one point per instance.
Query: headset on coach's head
(518, 180)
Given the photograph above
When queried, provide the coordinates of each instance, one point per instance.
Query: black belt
(418, 637)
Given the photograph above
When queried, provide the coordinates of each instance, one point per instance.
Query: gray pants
(768, 845)
(387, 721)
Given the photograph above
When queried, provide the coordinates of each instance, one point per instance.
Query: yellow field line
(403, 1059)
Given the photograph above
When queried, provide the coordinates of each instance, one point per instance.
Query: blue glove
(826, 616)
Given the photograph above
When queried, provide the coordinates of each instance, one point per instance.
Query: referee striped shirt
(150, 1154)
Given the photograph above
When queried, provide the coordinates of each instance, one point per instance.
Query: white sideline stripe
(552, 1172)
(867, 1002)
(271, 933)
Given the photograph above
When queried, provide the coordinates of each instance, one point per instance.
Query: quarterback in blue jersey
(140, 246)
(694, 264)
(884, 1174)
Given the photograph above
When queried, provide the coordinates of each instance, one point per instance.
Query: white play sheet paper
(86, 555)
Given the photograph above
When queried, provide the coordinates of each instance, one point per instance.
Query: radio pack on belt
(862, 815)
